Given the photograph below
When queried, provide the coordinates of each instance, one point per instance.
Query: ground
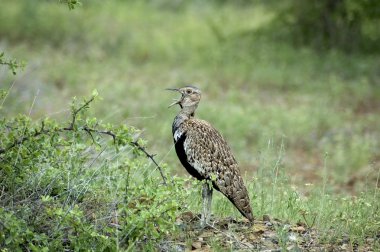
(266, 234)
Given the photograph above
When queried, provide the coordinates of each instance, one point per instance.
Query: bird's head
(189, 99)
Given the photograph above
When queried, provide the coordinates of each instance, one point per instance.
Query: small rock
(344, 246)
(252, 237)
(268, 224)
(298, 229)
(292, 237)
(187, 216)
(269, 235)
(266, 218)
(346, 239)
(196, 245)
(223, 224)
(370, 240)
(289, 248)
(207, 234)
(259, 228)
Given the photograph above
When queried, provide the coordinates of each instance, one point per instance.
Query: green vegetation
(302, 123)
(348, 25)
(69, 187)
(12, 64)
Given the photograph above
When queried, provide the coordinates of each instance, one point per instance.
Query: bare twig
(151, 157)
(108, 132)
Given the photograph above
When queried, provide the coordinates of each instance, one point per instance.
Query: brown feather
(205, 154)
(211, 157)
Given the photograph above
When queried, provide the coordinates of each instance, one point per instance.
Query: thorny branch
(25, 138)
(151, 157)
(12, 64)
(76, 112)
(87, 129)
(90, 131)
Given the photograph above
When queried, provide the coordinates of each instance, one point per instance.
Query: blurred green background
(300, 79)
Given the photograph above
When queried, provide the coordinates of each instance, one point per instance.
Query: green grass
(293, 116)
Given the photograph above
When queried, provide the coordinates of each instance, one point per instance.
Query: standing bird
(206, 155)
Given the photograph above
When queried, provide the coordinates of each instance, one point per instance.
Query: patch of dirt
(264, 235)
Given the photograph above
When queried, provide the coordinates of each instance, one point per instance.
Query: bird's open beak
(175, 101)
(172, 89)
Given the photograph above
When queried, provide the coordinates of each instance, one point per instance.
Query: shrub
(83, 185)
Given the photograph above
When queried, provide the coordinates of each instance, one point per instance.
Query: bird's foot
(203, 224)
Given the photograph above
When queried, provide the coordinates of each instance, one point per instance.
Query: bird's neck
(185, 114)
(188, 111)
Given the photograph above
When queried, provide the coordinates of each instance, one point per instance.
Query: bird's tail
(234, 189)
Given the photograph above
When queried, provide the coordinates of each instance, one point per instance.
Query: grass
(302, 124)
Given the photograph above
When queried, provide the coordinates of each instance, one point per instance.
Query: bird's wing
(209, 154)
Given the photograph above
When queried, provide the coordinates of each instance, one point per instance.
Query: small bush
(82, 185)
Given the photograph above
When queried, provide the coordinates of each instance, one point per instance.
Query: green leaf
(95, 93)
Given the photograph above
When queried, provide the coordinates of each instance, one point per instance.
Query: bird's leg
(207, 198)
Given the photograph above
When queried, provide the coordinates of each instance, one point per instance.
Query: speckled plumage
(206, 155)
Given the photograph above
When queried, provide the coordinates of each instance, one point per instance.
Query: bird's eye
(188, 91)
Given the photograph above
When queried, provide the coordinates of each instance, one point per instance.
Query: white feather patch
(177, 134)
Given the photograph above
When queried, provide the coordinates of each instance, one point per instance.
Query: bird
(205, 155)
